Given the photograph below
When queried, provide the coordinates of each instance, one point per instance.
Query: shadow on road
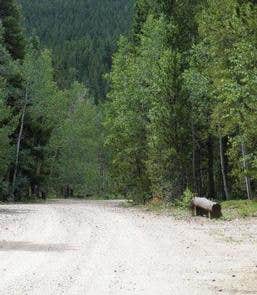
(15, 211)
(34, 247)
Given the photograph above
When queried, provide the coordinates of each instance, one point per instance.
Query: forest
(51, 128)
(144, 99)
(82, 35)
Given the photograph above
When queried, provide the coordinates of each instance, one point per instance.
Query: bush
(186, 198)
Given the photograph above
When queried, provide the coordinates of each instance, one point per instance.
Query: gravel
(99, 247)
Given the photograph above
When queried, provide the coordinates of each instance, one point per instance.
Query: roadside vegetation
(239, 209)
(233, 209)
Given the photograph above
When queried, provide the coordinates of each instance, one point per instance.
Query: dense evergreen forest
(82, 34)
(180, 112)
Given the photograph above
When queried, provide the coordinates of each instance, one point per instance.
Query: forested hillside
(182, 107)
(82, 34)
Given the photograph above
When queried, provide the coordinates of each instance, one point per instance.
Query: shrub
(186, 198)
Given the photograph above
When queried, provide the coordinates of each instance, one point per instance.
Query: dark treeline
(82, 34)
(182, 105)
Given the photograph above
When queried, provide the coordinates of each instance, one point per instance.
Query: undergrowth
(239, 209)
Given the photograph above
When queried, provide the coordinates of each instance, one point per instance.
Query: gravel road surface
(100, 248)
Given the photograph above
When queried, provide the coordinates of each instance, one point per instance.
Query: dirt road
(100, 248)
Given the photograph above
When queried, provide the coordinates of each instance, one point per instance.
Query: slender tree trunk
(211, 186)
(202, 191)
(38, 170)
(245, 166)
(30, 191)
(53, 162)
(16, 166)
(222, 164)
(194, 158)
(101, 160)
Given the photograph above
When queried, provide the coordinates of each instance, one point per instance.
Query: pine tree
(13, 34)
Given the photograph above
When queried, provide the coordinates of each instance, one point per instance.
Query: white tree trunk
(194, 157)
(225, 186)
(245, 166)
(19, 144)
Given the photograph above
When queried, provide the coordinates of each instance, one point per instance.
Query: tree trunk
(19, 145)
(30, 191)
(245, 166)
(203, 206)
(211, 185)
(225, 186)
(38, 170)
(194, 158)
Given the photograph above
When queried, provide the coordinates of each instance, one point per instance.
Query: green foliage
(43, 102)
(186, 199)
(146, 103)
(43, 94)
(128, 111)
(225, 62)
(5, 146)
(8, 122)
(185, 88)
(13, 34)
(51, 138)
(82, 35)
(74, 148)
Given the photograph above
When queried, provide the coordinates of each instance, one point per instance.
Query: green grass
(239, 209)
(166, 208)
